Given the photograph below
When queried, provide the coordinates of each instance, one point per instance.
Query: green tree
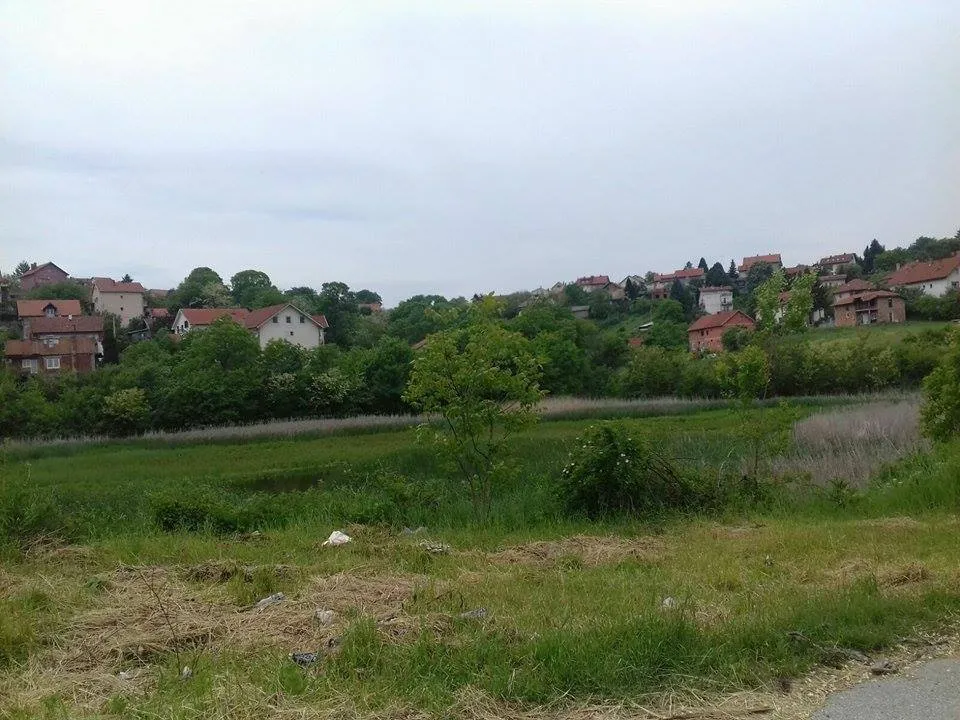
(368, 297)
(482, 380)
(21, 268)
(800, 304)
(732, 273)
(767, 299)
(940, 413)
(126, 412)
(202, 288)
(247, 285)
(716, 276)
(703, 264)
(126, 278)
(339, 305)
(68, 290)
(415, 318)
(575, 295)
(870, 254)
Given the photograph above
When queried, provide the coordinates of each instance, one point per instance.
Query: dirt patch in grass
(220, 571)
(892, 523)
(591, 551)
(899, 575)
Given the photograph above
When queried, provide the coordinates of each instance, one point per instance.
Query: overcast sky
(456, 147)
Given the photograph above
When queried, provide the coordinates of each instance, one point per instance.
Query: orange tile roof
(35, 308)
(199, 317)
(66, 325)
(38, 268)
(750, 261)
(867, 297)
(853, 286)
(684, 274)
(34, 348)
(107, 285)
(717, 320)
(919, 272)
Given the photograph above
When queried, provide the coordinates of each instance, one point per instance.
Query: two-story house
(836, 264)
(869, 308)
(849, 289)
(125, 300)
(936, 277)
(53, 355)
(716, 298)
(277, 322)
(706, 333)
(40, 275)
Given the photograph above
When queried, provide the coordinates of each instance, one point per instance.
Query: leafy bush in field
(126, 412)
(612, 471)
(940, 414)
(26, 515)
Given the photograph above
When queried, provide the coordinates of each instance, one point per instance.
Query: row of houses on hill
(58, 337)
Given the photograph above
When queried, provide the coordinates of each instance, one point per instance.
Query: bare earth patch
(592, 551)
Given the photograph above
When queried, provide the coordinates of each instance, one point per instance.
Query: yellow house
(125, 300)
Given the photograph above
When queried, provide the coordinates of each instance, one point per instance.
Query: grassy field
(101, 609)
(888, 333)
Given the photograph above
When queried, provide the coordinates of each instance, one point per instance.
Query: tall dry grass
(852, 444)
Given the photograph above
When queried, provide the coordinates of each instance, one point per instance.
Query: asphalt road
(928, 691)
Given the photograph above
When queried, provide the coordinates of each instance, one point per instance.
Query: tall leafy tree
(732, 272)
(336, 301)
(203, 287)
(248, 285)
(767, 299)
(703, 264)
(800, 304)
(870, 254)
(716, 275)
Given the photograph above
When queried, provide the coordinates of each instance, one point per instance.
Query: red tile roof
(35, 348)
(867, 297)
(200, 317)
(38, 268)
(919, 272)
(250, 319)
(63, 325)
(684, 274)
(35, 308)
(752, 260)
(841, 259)
(854, 285)
(159, 313)
(796, 270)
(594, 280)
(106, 285)
(717, 320)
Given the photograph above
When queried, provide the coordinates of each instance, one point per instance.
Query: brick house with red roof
(936, 277)
(40, 275)
(64, 327)
(29, 309)
(706, 333)
(869, 308)
(851, 288)
(52, 356)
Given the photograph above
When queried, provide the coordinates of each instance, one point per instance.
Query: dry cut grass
(852, 443)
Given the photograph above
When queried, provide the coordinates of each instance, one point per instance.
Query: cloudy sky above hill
(457, 147)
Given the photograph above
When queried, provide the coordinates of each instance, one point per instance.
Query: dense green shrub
(612, 471)
(941, 402)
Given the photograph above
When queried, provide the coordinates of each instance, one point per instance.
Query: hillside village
(55, 334)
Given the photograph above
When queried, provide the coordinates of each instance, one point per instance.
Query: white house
(118, 298)
(277, 322)
(932, 278)
(716, 298)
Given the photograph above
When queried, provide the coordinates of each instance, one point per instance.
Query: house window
(29, 364)
(889, 303)
(288, 319)
(50, 311)
(276, 318)
(53, 363)
(302, 319)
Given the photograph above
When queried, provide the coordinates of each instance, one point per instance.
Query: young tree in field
(483, 382)
(767, 300)
(800, 305)
(940, 414)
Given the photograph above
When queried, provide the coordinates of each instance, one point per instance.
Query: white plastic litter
(270, 600)
(124, 675)
(186, 673)
(669, 603)
(338, 538)
(324, 617)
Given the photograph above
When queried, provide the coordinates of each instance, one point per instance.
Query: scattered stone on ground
(478, 614)
(436, 548)
(304, 659)
(337, 538)
(269, 600)
(324, 617)
(884, 667)
(669, 603)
